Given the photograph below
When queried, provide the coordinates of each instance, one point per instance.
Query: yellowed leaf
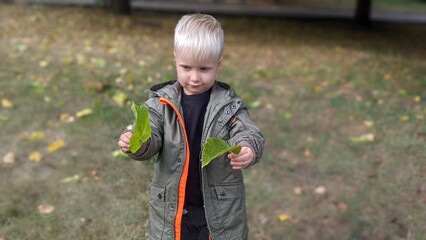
(35, 136)
(120, 98)
(84, 112)
(417, 99)
(9, 158)
(45, 208)
(369, 137)
(70, 179)
(284, 217)
(6, 103)
(55, 145)
(404, 118)
(35, 156)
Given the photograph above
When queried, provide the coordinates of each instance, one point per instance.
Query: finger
(122, 144)
(239, 164)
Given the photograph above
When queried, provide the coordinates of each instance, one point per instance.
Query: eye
(204, 69)
(186, 68)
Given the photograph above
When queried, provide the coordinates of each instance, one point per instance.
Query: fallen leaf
(43, 63)
(298, 191)
(35, 156)
(9, 158)
(5, 103)
(368, 123)
(55, 145)
(45, 208)
(35, 136)
(320, 190)
(22, 47)
(95, 175)
(70, 179)
(287, 115)
(66, 118)
(83, 113)
(404, 118)
(214, 148)
(369, 137)
(255, 104)
(284, 217)
(120, 98)
(307, 152)
(417, 99)
(263, 219)
(342, 206)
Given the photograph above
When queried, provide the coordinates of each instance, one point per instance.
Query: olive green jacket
(223, 188)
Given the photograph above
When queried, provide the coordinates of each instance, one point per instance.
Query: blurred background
(338, 88)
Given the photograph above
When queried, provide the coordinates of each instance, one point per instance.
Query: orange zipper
(184, 176)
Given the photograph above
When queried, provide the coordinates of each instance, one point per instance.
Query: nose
(195, 77)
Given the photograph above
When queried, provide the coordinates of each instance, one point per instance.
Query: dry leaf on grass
(9, 158)
(35, 136)
(45, 208)
(83, 113)
(70, 179)
(320, 190)
(66, 118)
(284, 217)
(54, 146)
(35, 156)
(298, 191)
(5, 103)
(369, 137)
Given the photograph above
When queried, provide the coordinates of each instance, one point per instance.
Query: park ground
(342, 110)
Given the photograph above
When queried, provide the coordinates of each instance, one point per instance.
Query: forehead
(189, 58)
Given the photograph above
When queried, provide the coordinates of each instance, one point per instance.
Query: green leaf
(141, 129)
(214, 148)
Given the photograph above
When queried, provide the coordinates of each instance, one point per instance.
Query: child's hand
(241, 160)
(124, 141)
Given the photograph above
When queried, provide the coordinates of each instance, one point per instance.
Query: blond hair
(201, 36)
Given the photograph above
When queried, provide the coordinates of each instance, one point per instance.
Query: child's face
(195, 78)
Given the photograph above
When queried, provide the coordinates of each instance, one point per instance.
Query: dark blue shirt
(194, 109)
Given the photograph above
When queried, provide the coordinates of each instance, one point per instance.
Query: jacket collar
(221, 92)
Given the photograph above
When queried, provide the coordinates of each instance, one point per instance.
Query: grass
(312, 87)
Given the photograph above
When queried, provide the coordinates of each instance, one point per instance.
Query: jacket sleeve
(245, 132)
(151, 147)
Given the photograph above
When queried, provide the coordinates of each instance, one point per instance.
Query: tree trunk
(362, 13)
(121, 6)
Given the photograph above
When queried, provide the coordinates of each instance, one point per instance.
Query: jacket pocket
(231, 201)
(157, 211)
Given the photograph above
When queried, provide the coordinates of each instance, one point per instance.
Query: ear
(220, 61)
(174, 54)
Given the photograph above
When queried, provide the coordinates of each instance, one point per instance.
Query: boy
(186, 201)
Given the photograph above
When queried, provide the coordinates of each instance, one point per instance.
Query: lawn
(342, 110)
